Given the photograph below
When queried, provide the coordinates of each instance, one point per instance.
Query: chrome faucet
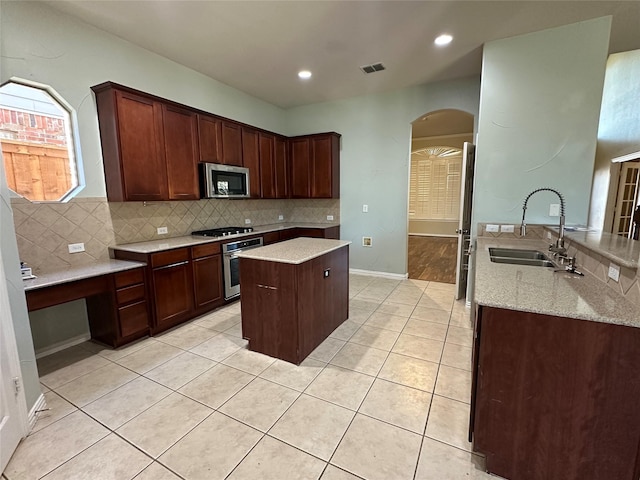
(558, 247)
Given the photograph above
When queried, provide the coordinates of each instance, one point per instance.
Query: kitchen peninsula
(294, 294)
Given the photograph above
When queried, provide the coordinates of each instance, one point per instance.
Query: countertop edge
(259, 254)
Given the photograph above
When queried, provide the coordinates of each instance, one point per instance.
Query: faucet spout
(558, 247)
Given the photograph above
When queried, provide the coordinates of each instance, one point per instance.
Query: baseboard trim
(56, 347)
(432, 235)
(372, 273)
(40, 404)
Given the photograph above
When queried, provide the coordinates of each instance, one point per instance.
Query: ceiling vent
(376, 67)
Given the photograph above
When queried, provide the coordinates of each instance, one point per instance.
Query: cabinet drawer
(133, 318)
(206, 250)
(171, 256)
(130, 277)
(130, 294)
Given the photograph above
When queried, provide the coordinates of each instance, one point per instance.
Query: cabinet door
(300, 168)
(231, 144)
(181, 152)
(251, 160)
(172, 294)
(267, 166)
(144, 174)
(324, 163)
(210, 139)
(281, 173)
(207, 281)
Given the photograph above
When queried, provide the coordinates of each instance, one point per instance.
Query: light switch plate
(614, 272)
(76, 247)
(280, 217)
(506, 228)
(163, 230)
(247, 221)
(554, 210)
(329, 217)
(492, 228)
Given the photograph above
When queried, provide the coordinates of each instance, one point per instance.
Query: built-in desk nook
(294, 294)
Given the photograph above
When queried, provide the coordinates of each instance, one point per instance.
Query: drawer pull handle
(266, 286)
(177, 264)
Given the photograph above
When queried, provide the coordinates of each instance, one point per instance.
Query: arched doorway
(437, 140)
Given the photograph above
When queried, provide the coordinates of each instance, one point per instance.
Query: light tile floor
(386, 396)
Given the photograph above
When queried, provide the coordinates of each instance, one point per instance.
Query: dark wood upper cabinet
(267, 166)
(251, 159)
(181, 152)
(300, 167)
(131, 137)
(281, 165)
(210, 139)
(231, 144)
(315, 166)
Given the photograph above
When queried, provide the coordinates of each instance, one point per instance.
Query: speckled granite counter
(618, 249)
(189, 240)
(295, 251)
(79, 273)
(541, 290)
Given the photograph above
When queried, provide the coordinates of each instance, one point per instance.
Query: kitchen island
(294, 294)
(555, 383)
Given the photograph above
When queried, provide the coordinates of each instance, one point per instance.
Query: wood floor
(433, 258)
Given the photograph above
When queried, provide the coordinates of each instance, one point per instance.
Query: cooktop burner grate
(222, 232)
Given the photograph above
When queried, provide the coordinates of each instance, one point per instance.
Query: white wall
(618, 132)
(375, 155)
(43, 45)
(539, 107)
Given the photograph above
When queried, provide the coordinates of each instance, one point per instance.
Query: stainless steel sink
(516, 256)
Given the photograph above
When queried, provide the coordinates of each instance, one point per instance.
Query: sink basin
(516, 256)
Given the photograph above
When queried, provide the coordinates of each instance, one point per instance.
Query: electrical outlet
(506, 228)
(614, 272)
(76, 247)
(247, 221)
(365, 208)
(280, 217)
(330, 217)
(163, 230)
(367, 242)
(549, 236)
(554, 210)
(492, 228)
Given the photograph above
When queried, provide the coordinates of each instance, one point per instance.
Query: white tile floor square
(385, 397)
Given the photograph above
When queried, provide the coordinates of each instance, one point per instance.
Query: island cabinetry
(207, 276)
(315, 166)
(556, 398)
(251, 159)
(289, 309)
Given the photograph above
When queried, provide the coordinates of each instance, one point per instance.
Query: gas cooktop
(222, 232)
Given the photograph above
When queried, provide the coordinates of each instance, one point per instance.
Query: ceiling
(259, 46)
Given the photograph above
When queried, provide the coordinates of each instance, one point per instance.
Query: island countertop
(541, 290)
(295, 251)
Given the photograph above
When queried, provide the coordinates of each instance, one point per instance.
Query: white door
(12, 402)
(464, 223)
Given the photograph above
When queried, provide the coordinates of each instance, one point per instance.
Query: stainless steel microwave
(223, 181)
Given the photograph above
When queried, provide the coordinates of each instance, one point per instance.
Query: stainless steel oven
(231, 264)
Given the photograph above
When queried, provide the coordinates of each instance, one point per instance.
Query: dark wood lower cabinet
(172, 295)
(556, 398)
(208, 289)
(289, 309)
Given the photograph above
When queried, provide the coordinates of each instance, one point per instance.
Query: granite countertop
(80, 272)
(618, 249)
(296, 251)
(541, 290)
(159, 245)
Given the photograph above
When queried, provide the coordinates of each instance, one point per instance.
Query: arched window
(434, 190)
(39, 141)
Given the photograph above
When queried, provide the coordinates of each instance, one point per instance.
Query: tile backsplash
(44, 230)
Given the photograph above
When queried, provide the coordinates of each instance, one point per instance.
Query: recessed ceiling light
(304, 74)
(443, 40)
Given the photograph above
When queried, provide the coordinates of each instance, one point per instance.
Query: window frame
(74, 135)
